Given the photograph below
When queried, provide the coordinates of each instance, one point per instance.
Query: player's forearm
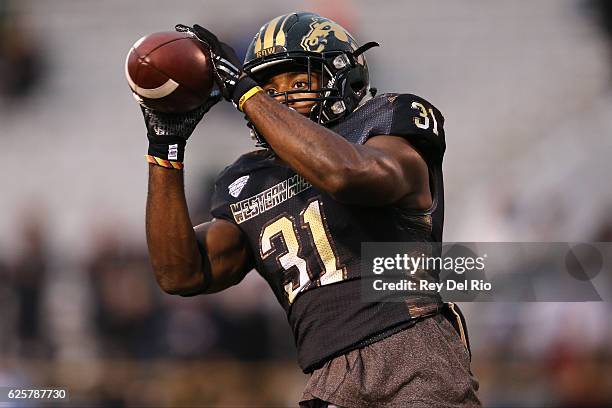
(321, 156)
(171, 240)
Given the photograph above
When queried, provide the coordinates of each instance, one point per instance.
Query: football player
(338, 166)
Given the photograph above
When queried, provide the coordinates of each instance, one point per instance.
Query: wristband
(248, 95)
(168, 151)
(164, 163)
(243, 86)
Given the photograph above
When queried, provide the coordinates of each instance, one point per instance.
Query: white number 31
(422, 121)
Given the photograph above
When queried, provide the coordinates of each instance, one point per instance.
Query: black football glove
(168, 132)
(227, 68)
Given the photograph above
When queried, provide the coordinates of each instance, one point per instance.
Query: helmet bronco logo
(316, 39)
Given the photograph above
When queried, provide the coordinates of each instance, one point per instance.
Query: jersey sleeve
(405, 115)
(232, 184)
(421, 123)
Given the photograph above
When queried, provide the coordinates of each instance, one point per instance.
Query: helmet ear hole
(357, 86)
(356, 80)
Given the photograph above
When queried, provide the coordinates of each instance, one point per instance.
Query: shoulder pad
(232, 180)
(405, 115)
(420, 122)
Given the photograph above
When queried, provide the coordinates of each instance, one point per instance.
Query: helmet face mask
(309, 43)
(326, 94)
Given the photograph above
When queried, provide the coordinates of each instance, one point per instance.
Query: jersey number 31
(312, 220)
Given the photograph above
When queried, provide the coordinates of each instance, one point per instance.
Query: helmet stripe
(280, 39)
(268, 40)
(258, 41)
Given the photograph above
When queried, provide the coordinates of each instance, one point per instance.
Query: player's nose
(280, 97)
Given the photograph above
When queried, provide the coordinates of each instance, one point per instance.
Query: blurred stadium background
(526, 91)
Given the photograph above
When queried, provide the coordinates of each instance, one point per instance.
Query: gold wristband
(164, 163)
(248, 95)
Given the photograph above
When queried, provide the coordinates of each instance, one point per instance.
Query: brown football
(169, 71)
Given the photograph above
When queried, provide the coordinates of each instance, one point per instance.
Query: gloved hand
(227, 68)
(168, 132)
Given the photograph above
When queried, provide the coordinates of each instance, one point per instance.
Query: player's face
(293, 81)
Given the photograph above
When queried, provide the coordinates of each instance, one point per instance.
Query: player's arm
(228, 258)
(182, 265)
(382, 172)
(185, 261)
(385, 170)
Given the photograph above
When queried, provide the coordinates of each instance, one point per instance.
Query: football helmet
(308, 42)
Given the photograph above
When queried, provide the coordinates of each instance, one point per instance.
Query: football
(169, 72)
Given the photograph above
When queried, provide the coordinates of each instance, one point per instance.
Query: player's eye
(300, 84)
(271, 91)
